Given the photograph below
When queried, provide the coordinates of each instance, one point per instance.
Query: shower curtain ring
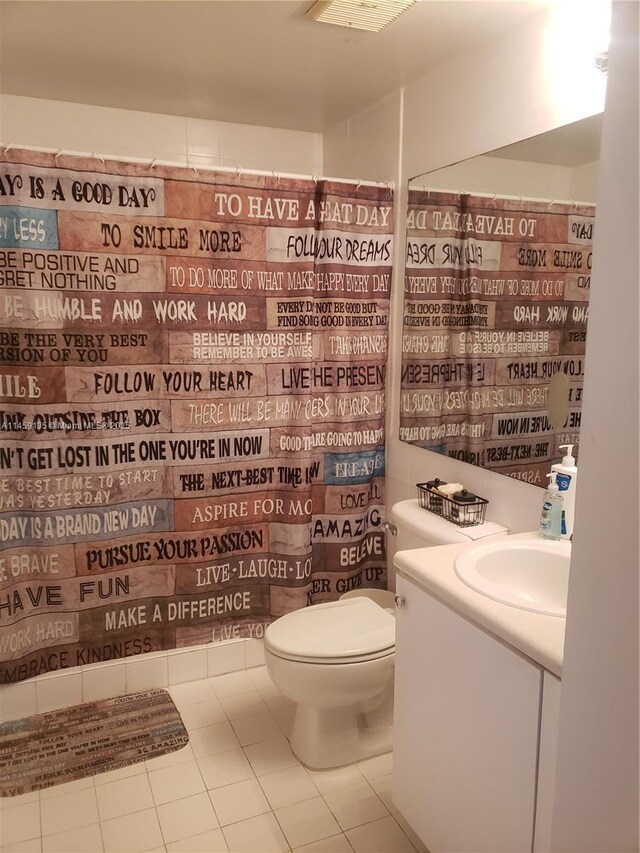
(152, 164)
(7, 147)
(276, 178)
(55, 156)
(99, 157)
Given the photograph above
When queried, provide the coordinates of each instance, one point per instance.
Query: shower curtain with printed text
(496, 305)
(192, 371)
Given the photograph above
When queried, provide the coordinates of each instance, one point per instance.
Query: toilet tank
(418, 528)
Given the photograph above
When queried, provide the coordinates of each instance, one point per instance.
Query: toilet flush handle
(399, 600)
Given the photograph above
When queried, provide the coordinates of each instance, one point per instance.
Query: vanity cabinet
(466, 730)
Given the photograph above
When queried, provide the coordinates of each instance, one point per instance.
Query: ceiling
(248, 61)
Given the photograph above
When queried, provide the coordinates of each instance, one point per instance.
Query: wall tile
(101, 681)
(87, 128)
(59, 690)
(133, 131)
(38, 123)
(226, 657)
(203, 161)
(168, 134)
(254, 653)
(203, 138)
(146, 672)
(96, 128)
(237, 140)
(187, 665)
(278, 148)
(17, 700)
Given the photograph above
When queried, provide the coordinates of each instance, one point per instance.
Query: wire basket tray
(464, 513)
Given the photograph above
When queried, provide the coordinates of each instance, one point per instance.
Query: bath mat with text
(60, 746)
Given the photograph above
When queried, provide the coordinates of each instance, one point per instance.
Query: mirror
(497, 280)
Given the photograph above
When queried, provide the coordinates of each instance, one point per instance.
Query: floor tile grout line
(207, 789)
(375, 794)
(235, 823)
(40, 819)
(271, 810)
(104, 846)
(317, 792)
(404, 833)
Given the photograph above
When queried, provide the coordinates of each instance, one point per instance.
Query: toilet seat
(351, 630)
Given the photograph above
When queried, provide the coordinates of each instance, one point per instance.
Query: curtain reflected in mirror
(559, 397)
(497, 287)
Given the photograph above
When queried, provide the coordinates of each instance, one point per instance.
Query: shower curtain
(496, 304)
(192, 371)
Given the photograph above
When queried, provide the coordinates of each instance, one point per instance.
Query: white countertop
(537, 636)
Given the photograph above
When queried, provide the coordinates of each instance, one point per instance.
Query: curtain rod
(548, 201)
(187, 165)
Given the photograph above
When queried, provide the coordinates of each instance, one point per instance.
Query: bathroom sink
(527, 572)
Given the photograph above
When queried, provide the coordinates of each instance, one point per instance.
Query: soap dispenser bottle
(567, 479)
(551, 517)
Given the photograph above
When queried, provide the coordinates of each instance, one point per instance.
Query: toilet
(336, 660)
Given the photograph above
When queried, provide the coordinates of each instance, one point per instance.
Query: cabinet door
(549, 723)
(465, 731)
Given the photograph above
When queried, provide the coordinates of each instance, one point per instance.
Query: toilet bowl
(336, 660)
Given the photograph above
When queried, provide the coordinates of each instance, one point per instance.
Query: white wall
(532, 78)
(596, 801)
(507, 91)
(502, 177)
(523, 83)
(37, 123)
(584, 182)
(368, 144)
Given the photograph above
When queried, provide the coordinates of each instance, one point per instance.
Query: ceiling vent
(372, 15)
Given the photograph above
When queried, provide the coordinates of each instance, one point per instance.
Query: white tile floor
(236, 787)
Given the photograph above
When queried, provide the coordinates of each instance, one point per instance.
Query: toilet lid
(353, 628)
